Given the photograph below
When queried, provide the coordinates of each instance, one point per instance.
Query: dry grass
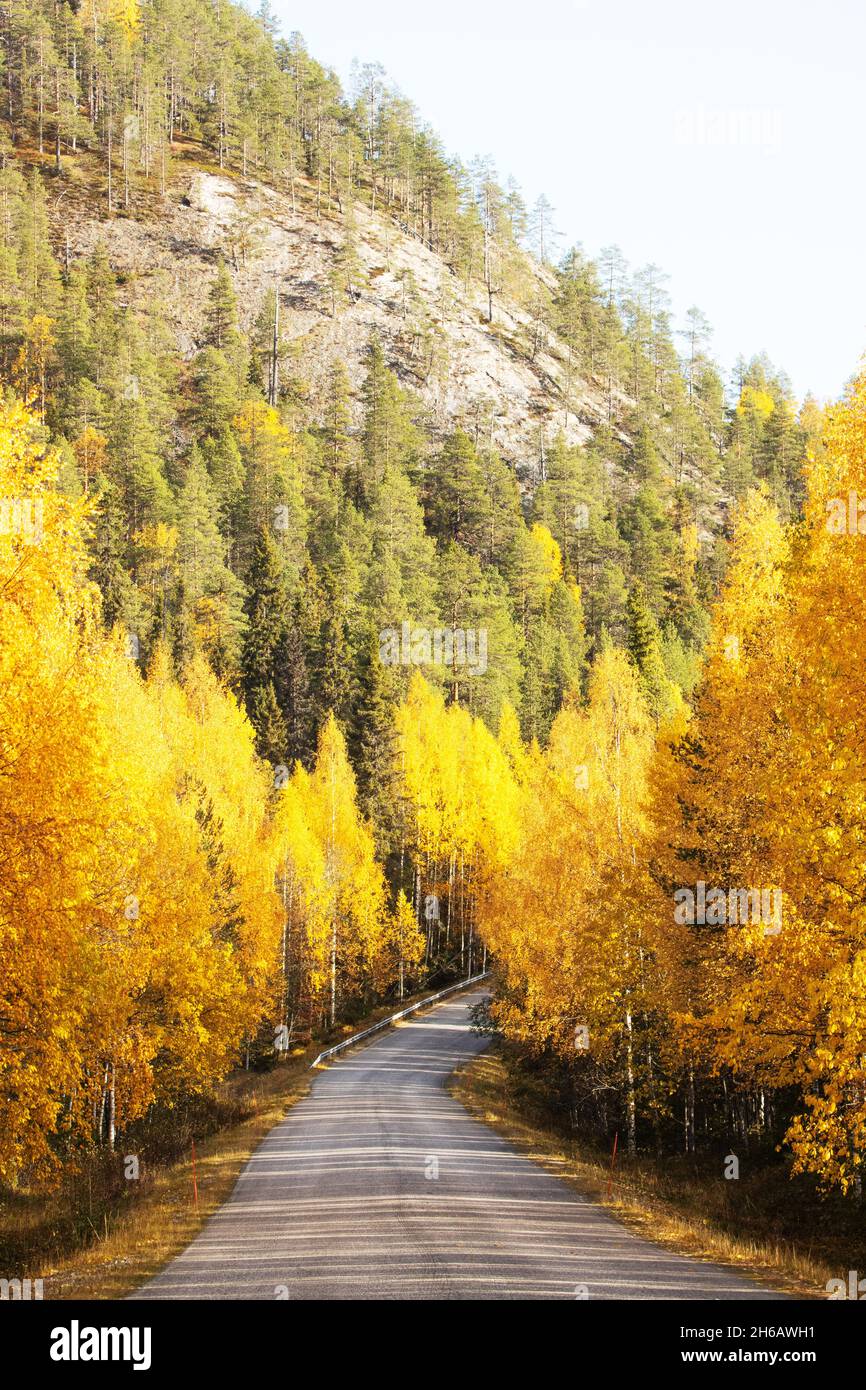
(681, 1211)
(137, 1241)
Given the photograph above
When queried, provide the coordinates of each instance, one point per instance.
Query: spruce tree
(643, 644)
(263, 666)
(388, 435)
(373, 744)
(108, 549)
(221, 315)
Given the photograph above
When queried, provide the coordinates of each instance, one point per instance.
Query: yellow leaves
(52, 818)
(35, 356)
(255, 418)
(766, 786)
(91, 452)
(620, 720)
(326, 854)
(677, 717)
(258, 425)
(752, 400)
(559, 911)
(155, 556)
(156, 544)
(405, 946)
(124, 13)
(39, 334)
(135, 888)
(511, 743)
(549, 554)
(748, 618)
(690, 546)
(458, 781)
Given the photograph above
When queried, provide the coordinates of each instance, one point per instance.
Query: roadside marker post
(612, 1162)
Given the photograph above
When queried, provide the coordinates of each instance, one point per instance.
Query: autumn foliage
(155, 872)
(169, 900)
(723, 1026)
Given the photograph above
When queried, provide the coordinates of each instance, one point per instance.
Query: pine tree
(345, 275)
(11, 305)
(40, 277)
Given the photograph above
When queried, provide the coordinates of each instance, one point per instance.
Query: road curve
(342, 1201)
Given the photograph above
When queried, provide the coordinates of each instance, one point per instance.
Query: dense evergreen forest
(241, 776)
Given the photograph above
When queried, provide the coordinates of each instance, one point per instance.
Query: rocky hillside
(433, 326)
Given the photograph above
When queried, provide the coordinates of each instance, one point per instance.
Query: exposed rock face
(434, 332)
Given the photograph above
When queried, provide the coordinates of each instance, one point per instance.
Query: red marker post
(612, 1162)
(194, 1183)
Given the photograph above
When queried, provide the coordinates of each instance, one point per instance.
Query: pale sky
(726, 142)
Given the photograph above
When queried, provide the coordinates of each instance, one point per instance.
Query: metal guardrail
(395, 1018)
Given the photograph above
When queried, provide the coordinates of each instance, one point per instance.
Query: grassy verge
(744, 1224)
(94, 1239)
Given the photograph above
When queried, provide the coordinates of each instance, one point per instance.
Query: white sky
(723, 141)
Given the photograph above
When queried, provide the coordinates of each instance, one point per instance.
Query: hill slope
(478, 373)
(237, 293)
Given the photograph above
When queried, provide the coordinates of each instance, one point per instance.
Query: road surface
(379, 1186)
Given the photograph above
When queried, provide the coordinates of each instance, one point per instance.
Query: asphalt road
(379, 1186)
